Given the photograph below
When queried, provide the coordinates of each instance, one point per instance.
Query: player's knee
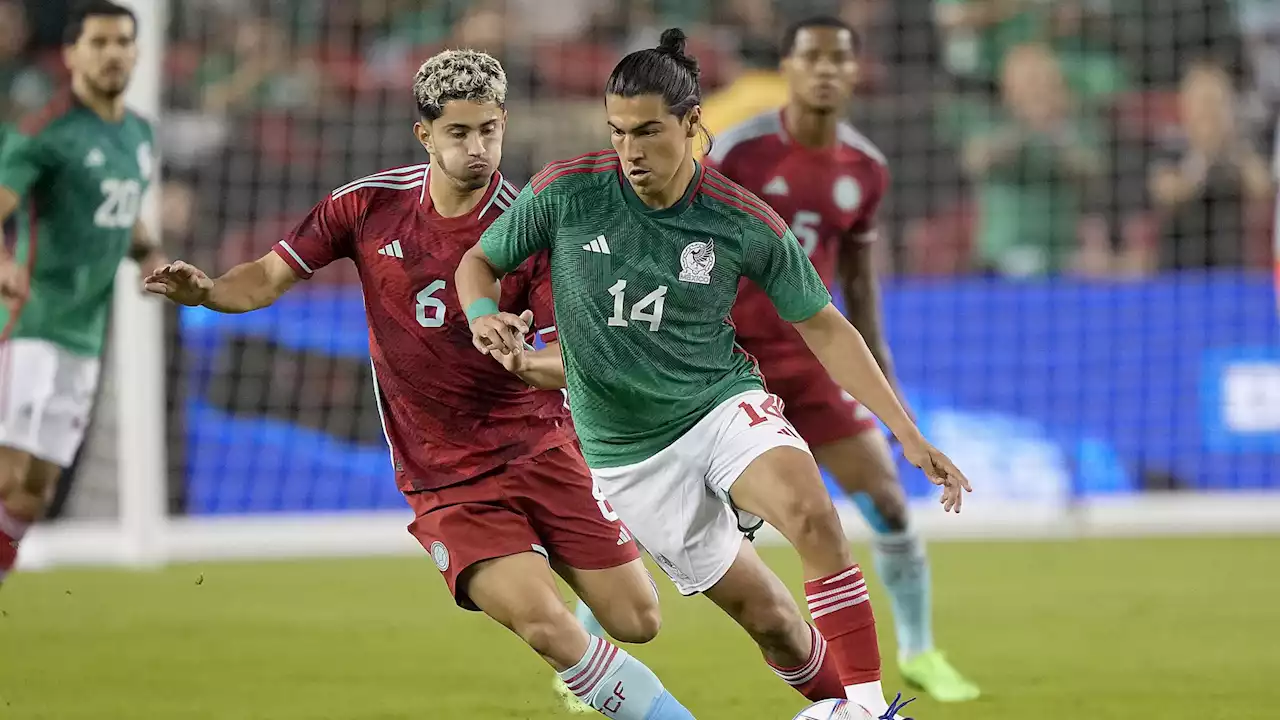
(636, 623)
(810, 517)
(892, 509)
(544, 630)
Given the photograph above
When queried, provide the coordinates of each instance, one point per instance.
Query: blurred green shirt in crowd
(976, 50)
(1030, 190)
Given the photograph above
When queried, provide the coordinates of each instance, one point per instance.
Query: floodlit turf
(1161, 629)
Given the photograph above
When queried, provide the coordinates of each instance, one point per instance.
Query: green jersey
(642, 296)
(81, 180)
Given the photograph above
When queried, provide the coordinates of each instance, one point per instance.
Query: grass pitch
(1162, 629)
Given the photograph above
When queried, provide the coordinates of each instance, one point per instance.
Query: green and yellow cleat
(571, 701)
(938, 678)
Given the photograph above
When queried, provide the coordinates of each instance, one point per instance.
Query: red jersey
(829, 196)
(449, 412)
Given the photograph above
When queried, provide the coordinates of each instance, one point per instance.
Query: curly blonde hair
(458, 75)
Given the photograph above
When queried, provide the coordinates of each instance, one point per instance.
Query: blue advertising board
(1041, 390)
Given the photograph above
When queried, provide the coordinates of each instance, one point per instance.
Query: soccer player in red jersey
(488, 464)
(827, 180)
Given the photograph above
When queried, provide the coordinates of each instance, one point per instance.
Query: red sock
(11, 531)
(841, 610)
(817, 678)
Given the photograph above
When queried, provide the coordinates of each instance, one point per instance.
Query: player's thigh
(665, 503)
(520, 593)
(585, 539)
(761, 464)
(624, 599)
(467, 524)
(863, 466)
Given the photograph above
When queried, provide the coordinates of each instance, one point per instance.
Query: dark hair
(93, 8)
(817, 21)
(664, 70)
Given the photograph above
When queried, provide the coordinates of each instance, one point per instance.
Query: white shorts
(676, 503)
(46, 396)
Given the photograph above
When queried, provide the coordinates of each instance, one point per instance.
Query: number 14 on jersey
(647, 309)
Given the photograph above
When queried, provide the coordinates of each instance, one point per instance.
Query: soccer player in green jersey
(647, 251)
(73, 177)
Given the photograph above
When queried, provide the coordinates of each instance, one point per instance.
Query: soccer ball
(838, 709)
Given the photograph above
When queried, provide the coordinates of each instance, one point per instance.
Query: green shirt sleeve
(528, 226)
(780, 267)
(23, 160)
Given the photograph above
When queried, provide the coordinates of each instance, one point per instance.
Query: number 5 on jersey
(648, 309)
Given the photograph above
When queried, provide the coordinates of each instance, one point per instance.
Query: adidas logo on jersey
(392, 249)
(599, 245)
(95, 158)
(777, 186)
(624, 536)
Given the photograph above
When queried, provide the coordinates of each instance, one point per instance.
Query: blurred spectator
(978, 34)
(1259, 22)
(756, 87)
(23, 87)
(255, 70)
(1030, 161)
(1209, 175)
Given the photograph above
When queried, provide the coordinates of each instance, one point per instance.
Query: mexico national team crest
(696, 261)
(848, 194)
(440, 554)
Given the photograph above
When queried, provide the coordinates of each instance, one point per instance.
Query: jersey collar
(629, 193)
(489, 197)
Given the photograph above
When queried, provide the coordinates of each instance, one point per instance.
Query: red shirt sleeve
(540, 301)
(326, 234)
(864, 227)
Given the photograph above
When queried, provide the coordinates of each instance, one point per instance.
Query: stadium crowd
(1026, 137)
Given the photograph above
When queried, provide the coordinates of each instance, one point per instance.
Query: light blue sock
(903, 567)
(620, 686)
(588, 620)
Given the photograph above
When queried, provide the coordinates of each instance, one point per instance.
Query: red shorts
(544, 504)
(813, 402)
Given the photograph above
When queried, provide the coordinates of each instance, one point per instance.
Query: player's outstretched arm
(862, 305)
(844, 353)
(244, 288)
(478, 293)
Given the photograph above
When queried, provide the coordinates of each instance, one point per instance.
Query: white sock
(868, 695)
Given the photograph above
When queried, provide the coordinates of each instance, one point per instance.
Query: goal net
(1075, 251)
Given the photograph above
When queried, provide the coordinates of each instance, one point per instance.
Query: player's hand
(181, 282)
(150, 264)
(14, 282)
(515, 362)
(940, 471)
(501, 332)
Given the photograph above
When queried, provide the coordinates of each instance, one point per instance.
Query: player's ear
(694, 120)
(422, 131)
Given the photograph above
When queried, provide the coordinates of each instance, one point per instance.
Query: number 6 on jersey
(648, 309)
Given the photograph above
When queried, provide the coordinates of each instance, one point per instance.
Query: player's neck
(671, 194)
(452, 200)
(810, 129)
(110, 109)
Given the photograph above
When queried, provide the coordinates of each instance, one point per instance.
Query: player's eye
(617, 133)
(459, 134)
